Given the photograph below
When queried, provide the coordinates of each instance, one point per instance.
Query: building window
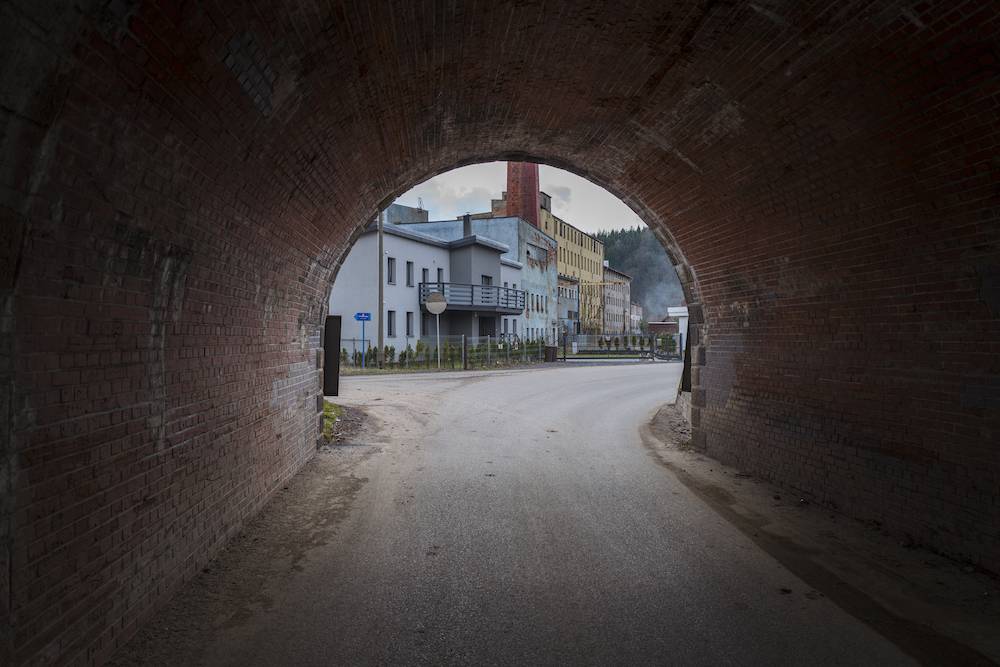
(515, 327)
(486, 280)
(390, 271)
(409, 323)
(425, 276)
(409, 274)
(440, 275)
(390, 324)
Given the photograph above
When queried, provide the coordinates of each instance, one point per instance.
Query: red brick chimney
(522, 191)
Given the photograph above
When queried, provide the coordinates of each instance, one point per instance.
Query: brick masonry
(178, 182)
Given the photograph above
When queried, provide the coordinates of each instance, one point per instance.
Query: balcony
(490, 298)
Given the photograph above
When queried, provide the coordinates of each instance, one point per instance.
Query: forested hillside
(654, 281)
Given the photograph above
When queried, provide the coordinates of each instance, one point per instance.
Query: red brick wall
(522, 191)
(177, 186)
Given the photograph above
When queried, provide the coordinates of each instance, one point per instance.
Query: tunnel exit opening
(522, 284)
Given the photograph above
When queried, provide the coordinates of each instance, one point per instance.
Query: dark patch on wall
(989, 286)
(981, 392)
(112, 19)
(11, 237)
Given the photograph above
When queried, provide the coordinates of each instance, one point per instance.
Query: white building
(680, 314)
(636, 318)
(480, 285)
(617, 301)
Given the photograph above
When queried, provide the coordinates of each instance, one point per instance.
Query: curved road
(517, 518)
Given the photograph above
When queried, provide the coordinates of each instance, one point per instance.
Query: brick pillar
(522, 191)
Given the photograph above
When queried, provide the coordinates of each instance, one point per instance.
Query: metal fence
(471, 352)
(457, 352)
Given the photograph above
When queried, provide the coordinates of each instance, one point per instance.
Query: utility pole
(626, 315)
(381, 290)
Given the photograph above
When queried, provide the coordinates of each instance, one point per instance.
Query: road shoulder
(934, 608)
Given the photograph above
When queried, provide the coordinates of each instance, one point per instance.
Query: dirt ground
(948, 608)
(303, 515)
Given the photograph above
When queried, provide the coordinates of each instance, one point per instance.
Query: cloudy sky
(470, 189)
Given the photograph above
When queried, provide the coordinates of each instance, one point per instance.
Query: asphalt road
(517, 518)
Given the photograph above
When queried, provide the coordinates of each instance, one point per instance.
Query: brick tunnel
(181, 180)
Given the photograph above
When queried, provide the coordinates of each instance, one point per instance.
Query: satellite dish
(435, 303)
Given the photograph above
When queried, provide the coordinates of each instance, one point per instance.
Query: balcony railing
(461, 296)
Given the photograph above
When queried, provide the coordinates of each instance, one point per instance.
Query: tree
(636, 251)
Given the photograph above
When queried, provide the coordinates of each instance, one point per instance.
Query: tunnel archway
(180, 181)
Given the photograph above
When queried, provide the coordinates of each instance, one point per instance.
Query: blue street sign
(363, 317)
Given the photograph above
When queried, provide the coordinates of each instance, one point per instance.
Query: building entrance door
(487, 326)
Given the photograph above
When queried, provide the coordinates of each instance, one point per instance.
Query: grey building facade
(534, 250)
(569, 305)
(469, 271)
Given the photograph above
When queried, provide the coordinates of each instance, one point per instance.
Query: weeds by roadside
(339, 423)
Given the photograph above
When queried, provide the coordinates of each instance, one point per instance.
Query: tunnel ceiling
(180, 181)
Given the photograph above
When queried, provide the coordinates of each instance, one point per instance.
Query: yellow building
(581, 256)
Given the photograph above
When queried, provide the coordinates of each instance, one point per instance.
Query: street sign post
(436, 304)
(363, 317)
